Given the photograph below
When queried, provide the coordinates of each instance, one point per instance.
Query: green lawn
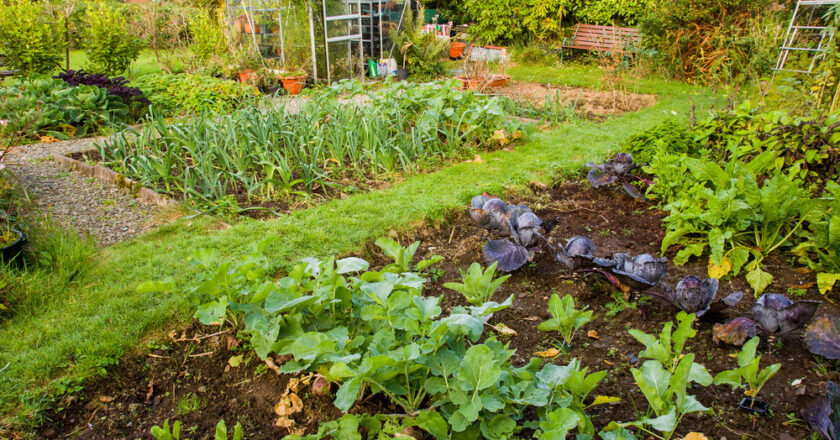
(145, 63)
(101, 316)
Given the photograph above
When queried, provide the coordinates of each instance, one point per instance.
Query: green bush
(183, 94)
(108, 42)
(610, 11)
(28, 38)
(207, 37)
(417, 51)
(671, 136)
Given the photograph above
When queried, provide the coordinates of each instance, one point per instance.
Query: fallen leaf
(288, 405)
(695, 436)
(505, 330)
(284, 422)
(533, 318)
(608, 362)
(718, 271)
(551, 352)
(106, 399)
(478, 159)
(600, 400)
(272, 366)
(235, 361)
(592, 334)
(797, 382)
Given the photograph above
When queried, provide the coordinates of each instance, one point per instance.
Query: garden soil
(189, 375)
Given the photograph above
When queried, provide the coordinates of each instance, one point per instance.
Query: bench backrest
(597, 37)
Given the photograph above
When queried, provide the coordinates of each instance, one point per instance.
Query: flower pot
(293, 84)
(456, 50)
(476, 85)
(244, 74)
(13, 249)
(499, 80)
(268, 90)
(402, 74)
(756, 407)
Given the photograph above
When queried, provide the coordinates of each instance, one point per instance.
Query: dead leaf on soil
(288, 405)
(504, 329)
(533, 318)
(106, 399)
(695, 436)
(235, 361)
(550, 353)
(272, 366)
(592, 334)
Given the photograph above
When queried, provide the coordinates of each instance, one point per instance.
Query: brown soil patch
(613, 220)
(589, 102)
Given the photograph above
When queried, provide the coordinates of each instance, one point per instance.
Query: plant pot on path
(499, 80)
(456, 50)
(14, 248)
(244, 74)
(473, 84)
(757, 407)
(293, 84)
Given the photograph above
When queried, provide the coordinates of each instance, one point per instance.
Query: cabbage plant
(616, 169)
(778, 315)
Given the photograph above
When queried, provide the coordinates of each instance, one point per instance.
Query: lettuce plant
(565, 318)
(615, 169)
(478, 286)
(747, 375)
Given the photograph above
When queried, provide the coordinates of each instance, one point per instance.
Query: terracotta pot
(293, 84)
(499, 80)
(472, 84)
(244, 74)
(456, 49)
(245, 27)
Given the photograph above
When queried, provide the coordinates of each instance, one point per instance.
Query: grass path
(102, 316)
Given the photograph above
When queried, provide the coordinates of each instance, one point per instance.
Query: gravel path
(93, 207)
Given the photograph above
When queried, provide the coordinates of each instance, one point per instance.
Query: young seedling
(668, 349)
(565, 318)
(478, 286)
(747, 375)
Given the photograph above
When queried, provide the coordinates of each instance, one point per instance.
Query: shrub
(28, 39)
(610, 11)
(417, 51)
(207, 37)
(711, 40)
(186, 93)
(109, 44)
(115, 86)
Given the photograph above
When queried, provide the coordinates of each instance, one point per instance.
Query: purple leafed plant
(824, 414)
(640, 272)
(509, 255)
(692, 294)
(579, 253)
(488, 212)
(734, 332)
(822, 337)
(777, 315)
(616, 169)
(115, 86)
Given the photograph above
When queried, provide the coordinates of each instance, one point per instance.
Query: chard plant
(403, 256)
(221, 432)
(565, 318)
(478, 286)
(748, 376)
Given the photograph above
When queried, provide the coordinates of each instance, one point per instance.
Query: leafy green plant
(747, 375)
(375, 333)
(221, 433)
(668, 348)
(565, 318)
(193, 94)
(207, 37)
(820, 248)
(418, 51)
(478, 286)
(29, 39)
(403, 255)
(741, 223)
(109, 43)
(667, 395)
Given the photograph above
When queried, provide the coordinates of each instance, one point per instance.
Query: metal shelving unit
(805, 35)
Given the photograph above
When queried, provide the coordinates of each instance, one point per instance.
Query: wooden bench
(597, 38)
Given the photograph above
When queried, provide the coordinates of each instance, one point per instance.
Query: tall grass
(266, 153)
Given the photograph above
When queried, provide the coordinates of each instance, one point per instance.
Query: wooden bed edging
(106, 175)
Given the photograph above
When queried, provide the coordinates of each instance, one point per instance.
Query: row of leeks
(270, 153)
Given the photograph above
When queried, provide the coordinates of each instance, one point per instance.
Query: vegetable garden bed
(196, 376)
(268, 158)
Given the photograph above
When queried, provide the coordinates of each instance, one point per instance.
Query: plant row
(271, 153)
